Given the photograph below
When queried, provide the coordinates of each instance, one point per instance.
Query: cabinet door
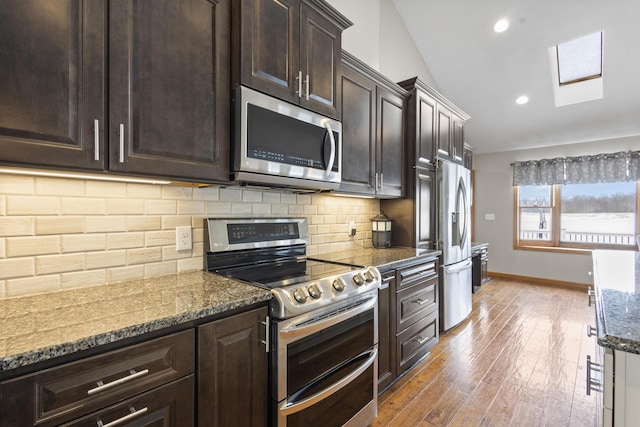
(390, 130)
(457, 139)
(232, 371)
(358, 133)
(444, 133)
(386, 330)
(320, 53)
(269, 47)
(425, 208)
(169, 88)
(52, 83)
(425, 129)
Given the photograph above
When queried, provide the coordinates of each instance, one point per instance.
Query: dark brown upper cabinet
(373, 132)
(166, 71)
(290, 49)
(435, 126)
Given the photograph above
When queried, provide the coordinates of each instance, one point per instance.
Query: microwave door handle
(332, 156)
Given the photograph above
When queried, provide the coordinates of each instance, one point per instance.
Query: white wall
(494, 194)
(379, 38)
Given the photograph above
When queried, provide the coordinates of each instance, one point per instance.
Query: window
(580, 59)
(581, 216)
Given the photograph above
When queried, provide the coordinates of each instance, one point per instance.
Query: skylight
(580, 59)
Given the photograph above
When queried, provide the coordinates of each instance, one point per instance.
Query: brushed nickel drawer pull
(96, 139)
(306, 95)
(420, 301)
(591, 331)
(121, 143)
(266, 334)
(299, 79)
(133, 375)
(124, 419)
(420, 340)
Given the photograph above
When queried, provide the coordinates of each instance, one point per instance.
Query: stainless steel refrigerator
(454, 240)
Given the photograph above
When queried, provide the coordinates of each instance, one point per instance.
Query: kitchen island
(617, 298)
(46, 326)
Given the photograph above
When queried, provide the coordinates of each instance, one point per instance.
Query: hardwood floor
(519, 360)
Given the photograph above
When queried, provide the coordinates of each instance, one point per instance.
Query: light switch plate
(489, 217)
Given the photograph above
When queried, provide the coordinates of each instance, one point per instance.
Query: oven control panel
(305, 297)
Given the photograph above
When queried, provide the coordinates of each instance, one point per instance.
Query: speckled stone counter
(44, 326)
(617, 287)
(387, 258)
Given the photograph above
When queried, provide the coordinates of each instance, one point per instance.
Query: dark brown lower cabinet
(386, 338)
(232, 371)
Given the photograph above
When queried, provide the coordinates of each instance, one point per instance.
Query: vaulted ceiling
(483, 72)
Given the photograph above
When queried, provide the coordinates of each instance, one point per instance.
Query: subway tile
(241, 208)
(160, 207)
(144, 255)
(17, 226)
(316, 219)
(174, 192)
(253, 196)
(144, 223)
(160, 238)
(32, 205)
(83, 242)
(197, 233)
(170, 253)
(197, 221)
(160, 268)
(144, 191)
(3, 204)
(105, 189)
(296, 210)
(230, 194)
(271, 197)
(3, 292)
(51, 264)
(60, 186)
(105, 224)
(16, 184)
(211, 193)
(332, 219)
(280, 210)
(127, 240)
(310, 210)
(324, 229)
(59, 225)
(261, 209)
(82, 278)
(218, 208)
(171, 222)
(128, 206)
(30, 246)
(288, 198)
(190, 264)
(83, 206)
(18, 267)
(32, 285)
(303, 199)
(97, 260)
(191, 207)
(2, 247)
(119, 274)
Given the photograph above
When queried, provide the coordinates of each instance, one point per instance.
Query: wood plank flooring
(519, 360)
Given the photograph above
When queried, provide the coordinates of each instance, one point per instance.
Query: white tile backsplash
(59, 233)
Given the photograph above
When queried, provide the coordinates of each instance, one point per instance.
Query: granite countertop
(476, 247)
(383, 259)
(44, 326)
(617, 287)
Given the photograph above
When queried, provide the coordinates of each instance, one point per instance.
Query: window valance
(615, 167)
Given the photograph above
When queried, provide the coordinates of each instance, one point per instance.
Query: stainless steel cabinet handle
(591, 331)
(381, 180)
(299, 79)
(592, 384)
(592, 296)
(121, 143)
(102, 387)
(96, 139)
(420, 340)
(124, 419)
(420, 301)
(332, 155)
(266, 334)
(306, 81)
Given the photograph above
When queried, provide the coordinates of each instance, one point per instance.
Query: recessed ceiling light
(501, 26)
(523, 99)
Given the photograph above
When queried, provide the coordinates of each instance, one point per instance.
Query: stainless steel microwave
(276, 143)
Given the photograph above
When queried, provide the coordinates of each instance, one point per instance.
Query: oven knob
(368, 276)
(358, 279)
(315, 291)
(338, 285)
(299, 295)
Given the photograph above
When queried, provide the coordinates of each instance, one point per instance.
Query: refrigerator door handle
(458, 268)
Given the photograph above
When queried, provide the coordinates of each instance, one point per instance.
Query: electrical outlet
(184, 240)
(352, 228)
(489, 217)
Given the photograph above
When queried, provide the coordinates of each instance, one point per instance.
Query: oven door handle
(298, 328)
(289, 408)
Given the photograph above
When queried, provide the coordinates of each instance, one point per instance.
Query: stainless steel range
(324, 320)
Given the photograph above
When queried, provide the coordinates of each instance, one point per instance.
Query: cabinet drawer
(170, 405)
(411, 275)
(415, 342)
(416, 302)
(69, 391)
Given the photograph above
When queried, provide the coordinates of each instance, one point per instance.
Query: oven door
(326, 366)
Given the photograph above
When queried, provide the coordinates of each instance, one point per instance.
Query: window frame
(555, 245)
